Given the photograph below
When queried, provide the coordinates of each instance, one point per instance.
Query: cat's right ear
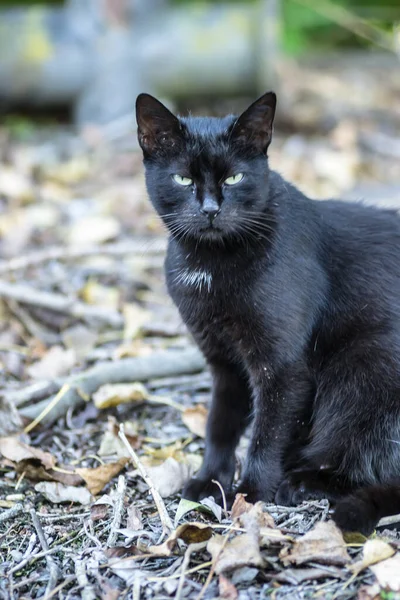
(158, 129)
(254, 127)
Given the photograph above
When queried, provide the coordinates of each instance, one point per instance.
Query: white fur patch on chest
(195, 278)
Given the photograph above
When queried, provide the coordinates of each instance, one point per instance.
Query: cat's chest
(219, 307)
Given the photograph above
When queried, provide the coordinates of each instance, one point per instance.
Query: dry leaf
(170, 477)
(96, 479)
(240, 506)
(241, 551)
(134, 521)
(255, 512)
(135, 317)
(57, 492)
(324, 543)
(69, 172)
(387, 573)
(195, 419)
(99, 512)
(55, 363)
(100, 295)
(93, 230)
(111, 444)
(16, 451)
(113, 394)
(374, 551)
(227, 590)
(190, 533)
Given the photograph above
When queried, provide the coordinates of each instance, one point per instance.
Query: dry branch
(159, 364)
(165, 519)
(62, 253)
(59, 303)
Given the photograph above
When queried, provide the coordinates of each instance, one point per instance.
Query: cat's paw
(197, 488)
(354, 514)
(296, 489)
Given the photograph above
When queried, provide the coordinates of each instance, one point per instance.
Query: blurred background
(75, 220)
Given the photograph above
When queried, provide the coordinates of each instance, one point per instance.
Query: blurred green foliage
(311, 26)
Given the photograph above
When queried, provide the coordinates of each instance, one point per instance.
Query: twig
(48, 408)
(60, 586)
(87, 592)
(12, 512)
(213, 566)
(221, 489)
(54, 572)
(119, 497)
(389, 520)
(59, 303)
(147, 246)
(159, 502)
(186, 559)
(84, 384)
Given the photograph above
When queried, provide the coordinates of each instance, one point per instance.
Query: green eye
(179, 179)
(234, 179)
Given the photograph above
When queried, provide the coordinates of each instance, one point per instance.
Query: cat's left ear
(158, 129)
(254, 126)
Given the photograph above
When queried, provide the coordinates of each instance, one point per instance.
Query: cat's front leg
(279, 409)
(229, 416)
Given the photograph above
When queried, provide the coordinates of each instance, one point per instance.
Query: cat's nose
(210, 208)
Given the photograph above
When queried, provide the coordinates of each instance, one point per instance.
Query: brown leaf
(16, 451)
(33, 470)
(190, 533)
(387, 573)
(98, 512)
(240, 506)
(227, 590)
(96, 479)
(113, 394)
(255, 512)
(195, 419)
(243, 550)
(324, 543)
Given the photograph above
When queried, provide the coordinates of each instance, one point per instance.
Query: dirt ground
(90, 341)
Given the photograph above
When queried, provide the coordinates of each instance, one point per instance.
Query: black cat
(295, 304)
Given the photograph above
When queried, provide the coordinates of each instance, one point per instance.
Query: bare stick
(87, 592)
(389, 520)
(59, 303)
(142, 368)
(48, 408)
(148, 246)
(186, 559)
(158, 501)
(53, 568)
(11, 512)
(118, 510)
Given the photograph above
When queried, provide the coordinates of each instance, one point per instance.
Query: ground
(89, 340)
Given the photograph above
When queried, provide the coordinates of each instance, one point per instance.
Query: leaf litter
(83, 510)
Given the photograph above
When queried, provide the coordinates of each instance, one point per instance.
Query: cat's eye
(234, 179)
(179, 179)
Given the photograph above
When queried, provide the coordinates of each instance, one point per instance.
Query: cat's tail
(361, 510)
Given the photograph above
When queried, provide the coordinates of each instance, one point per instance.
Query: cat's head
(208, 177)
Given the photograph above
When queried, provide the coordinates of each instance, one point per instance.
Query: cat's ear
(254, 126)
(158, 129)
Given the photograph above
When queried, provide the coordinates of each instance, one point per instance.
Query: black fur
(295, 304)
